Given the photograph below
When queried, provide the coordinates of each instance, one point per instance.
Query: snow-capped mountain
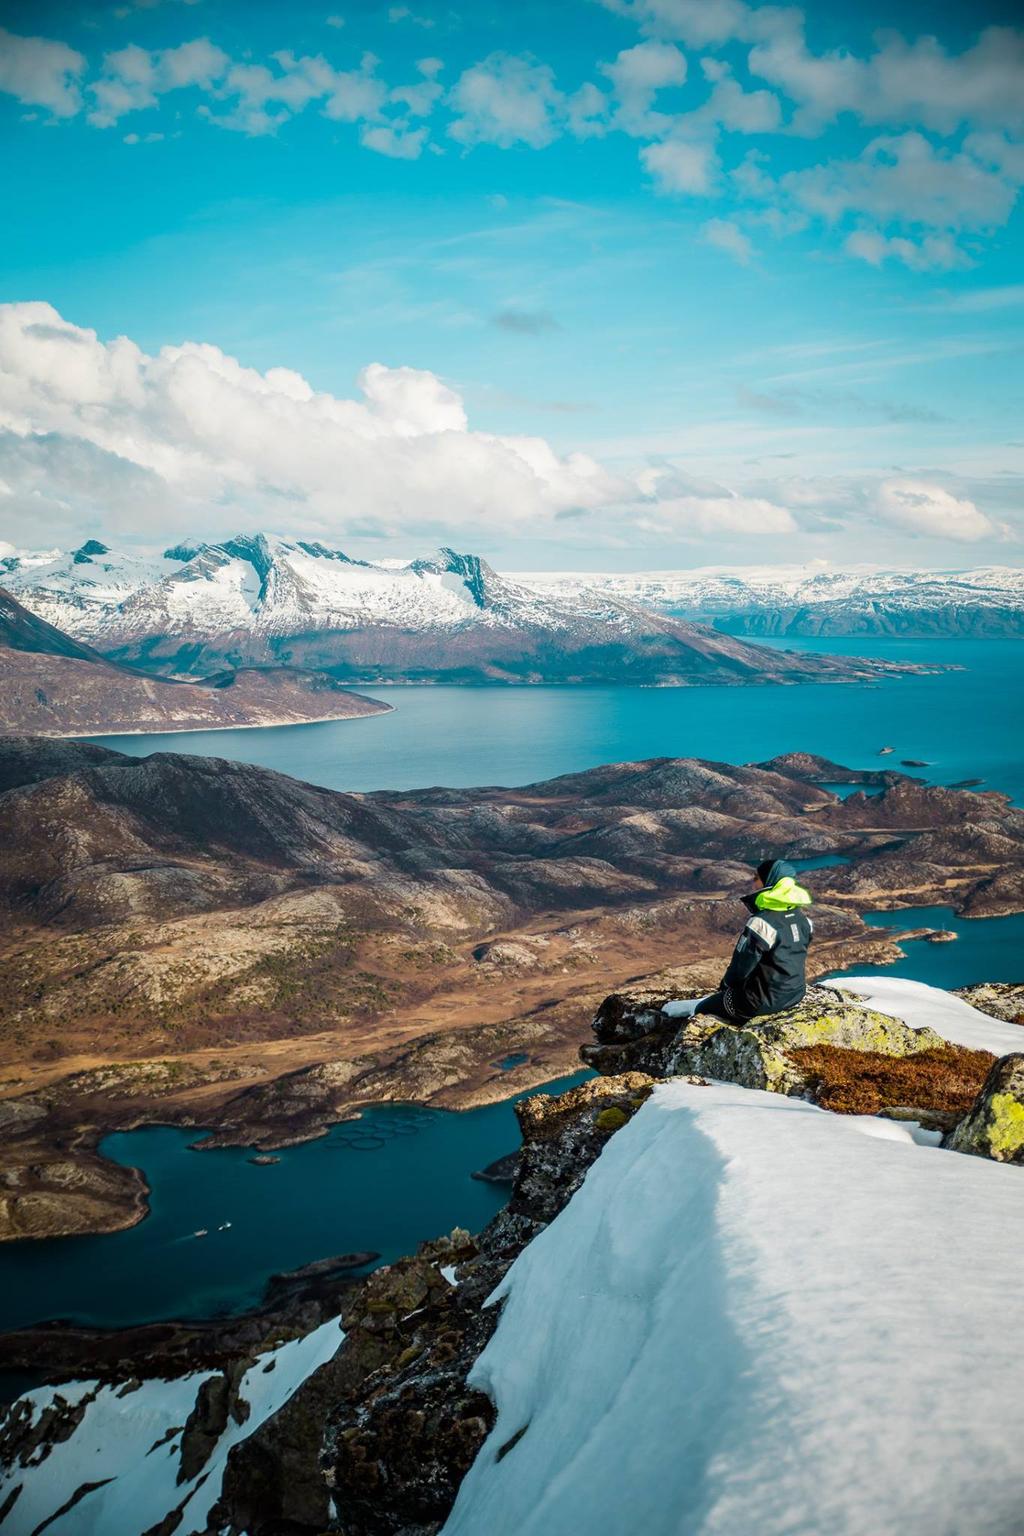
(261, 599)
(277, 586)
(817, 600)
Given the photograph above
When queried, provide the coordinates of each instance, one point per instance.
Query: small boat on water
(203, 1232)
(224, 1226)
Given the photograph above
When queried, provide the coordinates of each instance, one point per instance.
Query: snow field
(759, 1317)
(920, 1005)
(118, 1440)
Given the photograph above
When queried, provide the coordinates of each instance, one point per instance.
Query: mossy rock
(611, 1120)
(995, 1125)
(760, 1054)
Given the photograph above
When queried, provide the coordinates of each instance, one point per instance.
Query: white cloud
(395, 142)
(709, 23)
(587, 112)
(740, 111)
(207, 433)
(681, 165)
(902, 82)
(637, 75)
(934, 253)
(41, 73)
(398, 13)
(728, 237)
(922, 508)
(506, 99)
(905, 179)
(134, 78)
(997, 150)
(711, 516)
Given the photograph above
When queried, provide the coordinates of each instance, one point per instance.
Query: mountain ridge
(263, 600)
(809, 600)
(52, 684)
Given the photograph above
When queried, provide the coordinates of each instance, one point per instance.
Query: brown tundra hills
(54, 685)
(194, 941)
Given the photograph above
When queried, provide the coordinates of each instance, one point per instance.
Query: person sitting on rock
(767, 971)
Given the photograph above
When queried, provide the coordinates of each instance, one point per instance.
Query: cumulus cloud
(934, 253)
(637, 75)
(92, 430)
(41, 73)
(683, 505)
(681, 165)
(728, 237)
(504, 100)
(709, 23)
(133, 78)
(922, 508)
(905, 178)
(717, 516)
(397, 143)
(732, 108)
(206, 431)
(587, 112)
(901, 82)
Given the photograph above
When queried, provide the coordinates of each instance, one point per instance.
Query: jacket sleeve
(754, 942)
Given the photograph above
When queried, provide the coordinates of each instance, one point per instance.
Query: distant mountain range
(808, 600)
(262, 600)
(53, 685)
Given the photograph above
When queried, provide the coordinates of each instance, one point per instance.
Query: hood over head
(781, 891)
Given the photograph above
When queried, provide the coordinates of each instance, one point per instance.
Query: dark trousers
(721, 1005)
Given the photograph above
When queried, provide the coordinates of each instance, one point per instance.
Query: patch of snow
(448, 1271)
(117, 1440)
(919, 1005)
(757, 1316)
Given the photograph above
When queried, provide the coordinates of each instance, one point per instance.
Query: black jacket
(767, 971)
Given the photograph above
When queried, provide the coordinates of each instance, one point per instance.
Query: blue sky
(641, 283)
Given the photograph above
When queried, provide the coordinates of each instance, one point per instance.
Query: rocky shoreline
(76, 1190)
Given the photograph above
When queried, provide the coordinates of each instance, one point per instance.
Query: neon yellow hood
(783, 895)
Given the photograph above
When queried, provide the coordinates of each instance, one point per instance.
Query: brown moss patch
(864, 1082)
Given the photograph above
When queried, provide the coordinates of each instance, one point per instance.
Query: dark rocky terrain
(208, 943)
(666, 652)
(376, 1441)
(53, 685)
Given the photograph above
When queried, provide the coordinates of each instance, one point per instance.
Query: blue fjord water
(967, 724)
(382, 1183)
(403, 1173)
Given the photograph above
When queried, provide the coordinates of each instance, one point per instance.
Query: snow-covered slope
(756, 1316)
(267, 585)
(263, 600)
(812, 599)
(81, 590)
(273, 585)
(127, 1445)
(922, 1006)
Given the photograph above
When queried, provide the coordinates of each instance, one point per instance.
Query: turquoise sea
(967, 723)
(403, 1174)
(383, 1183)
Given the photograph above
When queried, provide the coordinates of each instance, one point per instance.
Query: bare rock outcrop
(995, 1125)
(1001, 999)
(830, 1049)
(388, 1428)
